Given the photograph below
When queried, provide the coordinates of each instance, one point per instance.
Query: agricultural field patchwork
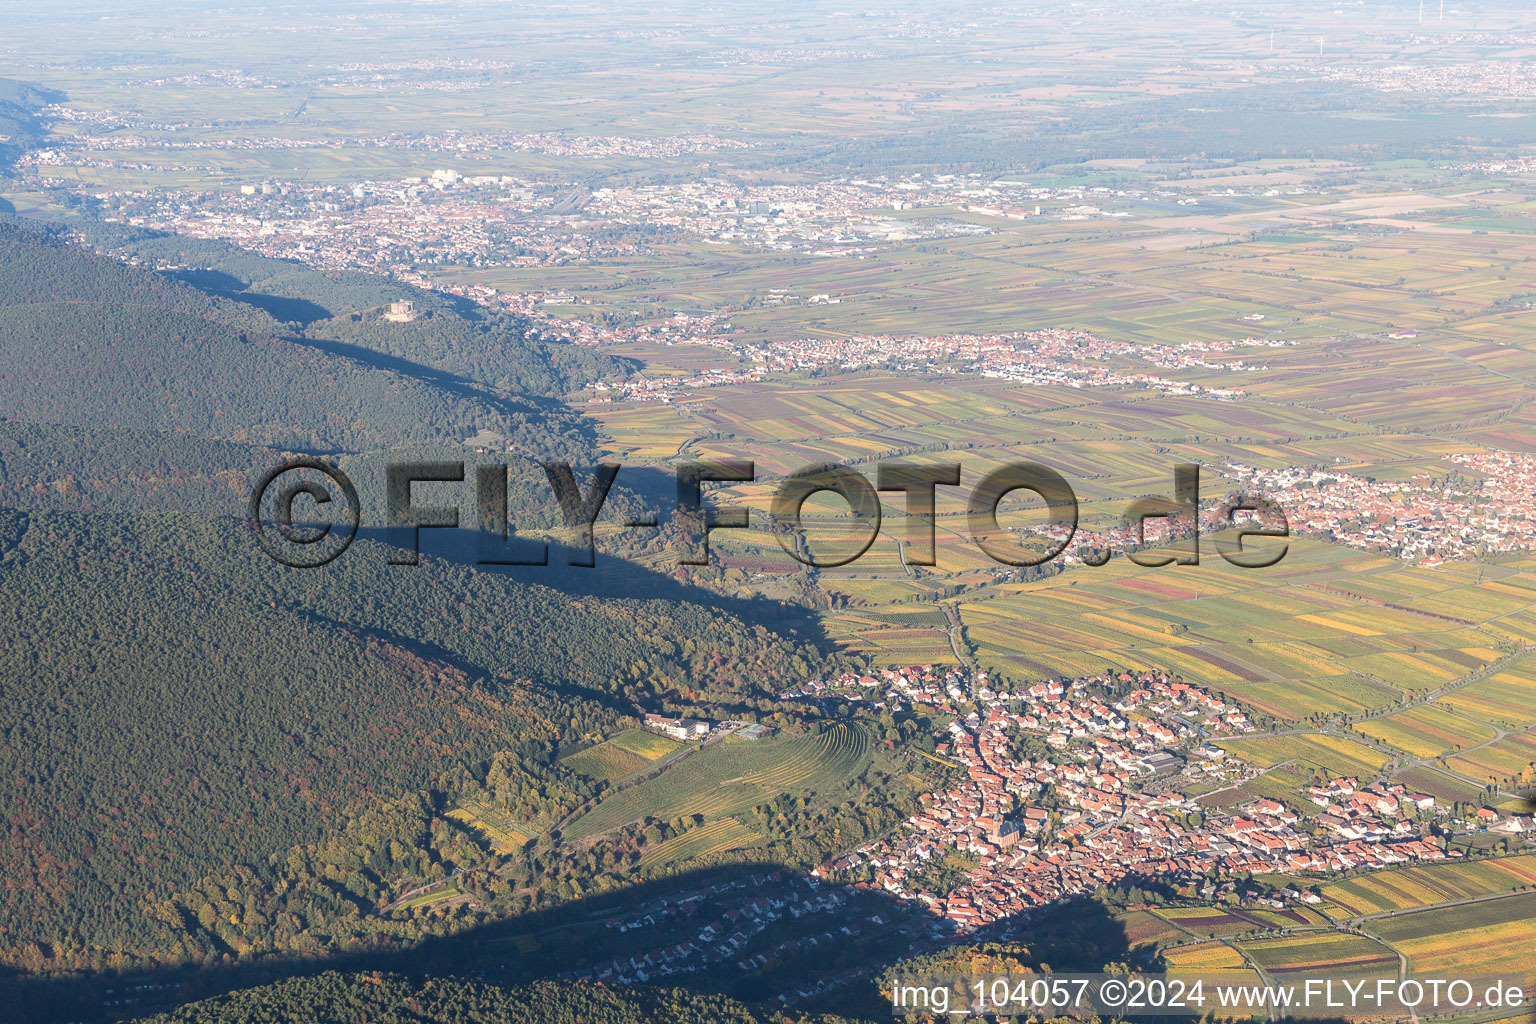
(1509, 761)
(1445, 788)
(1212, 922)
(1428, 884)
(1144, 929)
(1336, 755)
(1427, 731)
(1325, 953)
(689, 232)
(1202, 957)
(1504, 698)
(1482, 938)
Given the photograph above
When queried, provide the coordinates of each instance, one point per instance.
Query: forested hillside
(333, 998)
(136, 368)
(199, 707)
(89, 341)
(19, 129)
(205, 754)
(91, 469)
(36, 266)
(451, 335)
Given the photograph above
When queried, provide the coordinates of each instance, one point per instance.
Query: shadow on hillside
(649, 491)
(512, 407)
(612, 578)
(454, 384)
(299, 311)
(762, 933)
(226, 285)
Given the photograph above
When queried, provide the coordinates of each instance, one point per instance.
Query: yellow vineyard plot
(496, 826)
(1205, 956)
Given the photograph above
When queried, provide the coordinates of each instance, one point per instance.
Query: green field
(733, 775)
(427, 899)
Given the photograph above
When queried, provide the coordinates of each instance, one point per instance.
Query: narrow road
(419, 890)
(953, 616)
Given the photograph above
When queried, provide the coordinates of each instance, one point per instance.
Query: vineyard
(1334, 754)
(734, 775)
(1144, 929)
(606, 761)
(1205, 956)
(1504, 698)
(1224, 922)
(1210, 922)
(1507, 758)
(1482, 938)
(647, 744)
(1353, 956)
(494, 825)
(629, 753)
(1427, 731)
(1426, 885)
(714, 837)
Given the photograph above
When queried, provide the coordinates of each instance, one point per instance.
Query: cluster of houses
(1505, 80)
(1065, 789)
(1423, 518)
(1072, 358)
(1166, 710)
(703, 936)
(1039, 829)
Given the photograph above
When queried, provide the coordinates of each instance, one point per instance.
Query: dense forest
(90, 341)
(316, 693)
(206, 755)
(94, 469)
(37, 266)
(334, 998)
(131, 367)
